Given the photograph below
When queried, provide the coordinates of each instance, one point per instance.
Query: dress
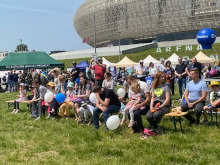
(22, 97)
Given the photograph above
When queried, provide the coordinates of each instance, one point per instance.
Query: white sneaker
(13, 111)
(17, 110)
(48, 116)
(38, 118)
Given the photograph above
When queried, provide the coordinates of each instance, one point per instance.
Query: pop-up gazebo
(29, 60)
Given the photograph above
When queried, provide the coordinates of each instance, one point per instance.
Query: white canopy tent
(149, 59)
(173, 59)
(107, 63)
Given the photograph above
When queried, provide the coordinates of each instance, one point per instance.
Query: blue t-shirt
(195, 89)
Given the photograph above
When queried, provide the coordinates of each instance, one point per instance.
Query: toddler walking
(22, 97)
(134, 99)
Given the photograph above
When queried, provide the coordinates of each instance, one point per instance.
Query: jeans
(36, 109)
(181, 83)
(110, 109)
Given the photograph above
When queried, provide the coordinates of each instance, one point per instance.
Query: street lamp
(119, 45)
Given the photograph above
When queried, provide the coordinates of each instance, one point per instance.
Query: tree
(21, 48)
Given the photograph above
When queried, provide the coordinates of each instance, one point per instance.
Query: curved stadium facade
(136, 21)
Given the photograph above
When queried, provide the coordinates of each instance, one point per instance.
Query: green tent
(28, 60)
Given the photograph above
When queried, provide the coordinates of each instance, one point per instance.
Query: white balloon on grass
(113, 122)
(48, 97)
(93, 98)
(121, 92)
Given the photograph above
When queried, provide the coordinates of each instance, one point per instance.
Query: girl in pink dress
(22, 97)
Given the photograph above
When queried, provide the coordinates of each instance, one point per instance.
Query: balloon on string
(60, 98)
(121, 92)
(113, 122)
(48, 97)
(93, 98)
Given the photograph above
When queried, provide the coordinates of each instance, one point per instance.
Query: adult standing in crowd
(55, 74)
(108, 82)
(11, 81)
(141, 71)
(160, 67)
(161, 97)
(39, 92)
(195, 96)
(75, 72)
(15, 80)
(169, 75)
(107, 103)
(194, 64)
(217, 67)
(100, 70)
(180, 72)
(145, 92)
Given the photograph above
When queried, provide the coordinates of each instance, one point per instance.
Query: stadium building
(143, 21)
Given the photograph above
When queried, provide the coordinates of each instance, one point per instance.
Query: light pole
(119, 45)
(94, 32)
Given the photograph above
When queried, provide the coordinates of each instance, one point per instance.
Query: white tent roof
(201, 57)
(149, 59)
(106, 62)
(173, 59)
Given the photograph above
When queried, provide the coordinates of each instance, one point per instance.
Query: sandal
(149, 132)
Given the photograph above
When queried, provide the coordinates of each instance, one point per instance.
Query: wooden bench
(175, 115)
(11, 102)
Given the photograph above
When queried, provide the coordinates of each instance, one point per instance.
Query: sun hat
(22, 84)
(50, 84)
(70, 84)
(212, 83)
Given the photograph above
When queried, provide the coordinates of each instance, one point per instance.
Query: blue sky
(44, 25)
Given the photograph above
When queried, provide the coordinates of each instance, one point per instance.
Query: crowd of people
(140, 99)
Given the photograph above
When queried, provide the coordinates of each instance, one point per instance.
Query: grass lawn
(26, 141)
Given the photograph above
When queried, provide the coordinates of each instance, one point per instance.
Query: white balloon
(93, 98)
(121, 92)
(48, 97)
(113, 122)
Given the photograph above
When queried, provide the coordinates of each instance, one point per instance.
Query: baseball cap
(99, 59)
(74, 62)
(141, 61)
(83, 103)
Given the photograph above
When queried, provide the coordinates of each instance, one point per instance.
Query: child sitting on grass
(22, 97)
(135, 98)
(214, 100)
(65, 108)
(86, 111)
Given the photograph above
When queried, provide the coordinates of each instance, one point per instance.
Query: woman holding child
(83, 95)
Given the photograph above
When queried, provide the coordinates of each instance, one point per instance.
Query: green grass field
(26, 141)
(143, 54)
